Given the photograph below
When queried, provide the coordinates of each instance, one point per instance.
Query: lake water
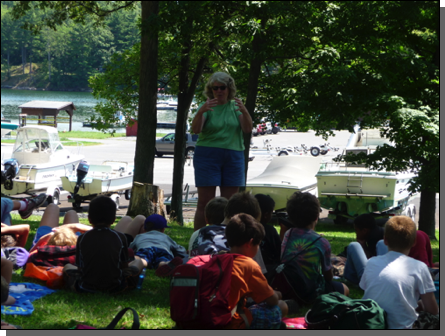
(83, 101)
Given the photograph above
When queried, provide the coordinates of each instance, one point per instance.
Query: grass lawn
(63, 310)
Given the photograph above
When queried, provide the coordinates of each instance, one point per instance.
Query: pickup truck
(166, 145)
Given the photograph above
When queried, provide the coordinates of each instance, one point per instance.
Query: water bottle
(141, 279)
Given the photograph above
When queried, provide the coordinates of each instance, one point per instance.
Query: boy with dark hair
(211, 239)
(244, 235)
(368, 235)
(102, 254)
(271, 245)
(214, 215)
(396, 281)
(304, 210)
(155, 249)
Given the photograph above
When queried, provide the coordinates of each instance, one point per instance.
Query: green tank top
(222, 128)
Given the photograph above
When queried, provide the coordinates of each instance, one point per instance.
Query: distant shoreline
(43, 89)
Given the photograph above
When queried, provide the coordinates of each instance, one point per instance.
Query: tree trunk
(427, 213)
(185, 98)
(148, 199)
(147, 117)
(9, 67)
(23, 58)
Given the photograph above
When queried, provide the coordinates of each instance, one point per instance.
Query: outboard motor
(81, 172)
(10, 171)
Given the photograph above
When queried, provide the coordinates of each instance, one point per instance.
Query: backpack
(18, 256)
(199, 295)
(290, 280)
(337, 311)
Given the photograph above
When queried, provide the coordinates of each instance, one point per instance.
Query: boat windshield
(35, 140)
(372, 138)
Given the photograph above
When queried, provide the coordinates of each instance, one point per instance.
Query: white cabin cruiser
(38, 162)
(349, 190)
(111, 178)
(284, 176)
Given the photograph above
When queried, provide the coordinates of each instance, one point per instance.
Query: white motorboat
(111, 178)
(37, 163)
(284, 176)
(349, 190)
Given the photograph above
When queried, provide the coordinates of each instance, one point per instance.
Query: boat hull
(33, 178)
(284, 176)
(353, 193)
(97, 186)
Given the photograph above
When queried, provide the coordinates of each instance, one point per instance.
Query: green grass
(63, 309)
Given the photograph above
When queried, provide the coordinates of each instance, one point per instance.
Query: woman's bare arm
(199, 119)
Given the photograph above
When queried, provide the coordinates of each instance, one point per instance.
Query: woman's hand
(209, 104)
(240, 105)
(244, 118)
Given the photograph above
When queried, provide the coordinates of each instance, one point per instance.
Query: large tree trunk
(147, 113)
(185, 98)
(427, 213)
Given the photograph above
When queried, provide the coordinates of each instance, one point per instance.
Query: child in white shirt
(396, 281)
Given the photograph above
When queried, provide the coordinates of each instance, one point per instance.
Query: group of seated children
(98, 258)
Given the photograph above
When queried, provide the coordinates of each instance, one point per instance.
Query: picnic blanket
(24, 293)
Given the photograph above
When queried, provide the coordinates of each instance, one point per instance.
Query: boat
(284, 176)
(111, 178)
(7, 126)
(349, 190)
(38, 161)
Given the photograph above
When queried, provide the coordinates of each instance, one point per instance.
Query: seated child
(395, 281)
(244, 235)
(368, 235)
(102, 255)
(214, 215)
(211, 239)
(304, 210)
(271, 245)
(154, 248)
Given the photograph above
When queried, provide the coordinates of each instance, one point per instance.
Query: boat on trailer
(349, 190)
(38, 161)
(111, 178)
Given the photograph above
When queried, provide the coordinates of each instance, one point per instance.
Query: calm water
(83, 101)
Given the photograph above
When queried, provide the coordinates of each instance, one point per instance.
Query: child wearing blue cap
(156, 249)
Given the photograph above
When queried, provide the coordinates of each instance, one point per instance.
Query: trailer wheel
(128, 194)
(56, 198)
(315, 151)
(283, 153)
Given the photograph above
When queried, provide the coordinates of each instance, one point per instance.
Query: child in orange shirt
(244, 235)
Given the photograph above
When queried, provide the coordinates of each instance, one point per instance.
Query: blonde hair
(221, 77)
(400, 232)
(63, 237)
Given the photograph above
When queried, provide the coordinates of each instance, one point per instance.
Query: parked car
(166, 145)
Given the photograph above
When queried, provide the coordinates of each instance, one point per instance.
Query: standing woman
(219, 153)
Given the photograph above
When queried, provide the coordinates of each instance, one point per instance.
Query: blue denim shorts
(218, 167)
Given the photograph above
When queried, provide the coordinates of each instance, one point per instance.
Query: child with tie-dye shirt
(303, 210)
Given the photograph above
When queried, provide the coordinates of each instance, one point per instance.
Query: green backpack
(337, 311)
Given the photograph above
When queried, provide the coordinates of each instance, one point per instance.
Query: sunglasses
(222, 88)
